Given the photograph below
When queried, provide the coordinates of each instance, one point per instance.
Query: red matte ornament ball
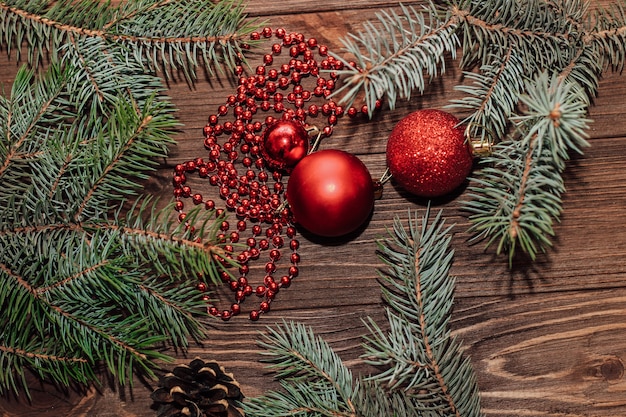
(284, 144)
(330, 193)
(428, 154)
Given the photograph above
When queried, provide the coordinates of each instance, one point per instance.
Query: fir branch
(314, 379)
(555, 116)
(123, 123)
(493, 96)
(421, 356)
(422, 368)
(534, 28)
(97, 289)
(83, 283)
(212, 33)
(127, 146)
(516, 197)
(507, 46)
(25, 111)
(393, 59)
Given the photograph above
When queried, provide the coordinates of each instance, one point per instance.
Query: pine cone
(200, 389)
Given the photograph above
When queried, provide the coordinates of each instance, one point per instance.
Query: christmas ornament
(200, 389)
(330, 193)
(284, 144)
(428, 154)
(257, 135)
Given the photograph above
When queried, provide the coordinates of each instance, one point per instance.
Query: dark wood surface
(545, 339)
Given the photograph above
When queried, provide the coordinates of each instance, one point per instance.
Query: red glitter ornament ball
(428, 154)
(330, 193)
(285, 143)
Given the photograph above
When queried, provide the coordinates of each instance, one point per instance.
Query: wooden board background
(545, 339)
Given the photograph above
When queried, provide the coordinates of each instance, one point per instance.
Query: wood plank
(545, 339)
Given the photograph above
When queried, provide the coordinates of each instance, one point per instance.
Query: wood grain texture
(545, 339)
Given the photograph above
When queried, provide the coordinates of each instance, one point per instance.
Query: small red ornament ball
(330, 193)
(284, 144)
(428, 154)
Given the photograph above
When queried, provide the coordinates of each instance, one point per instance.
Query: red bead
(243, 257)
(213, 311)
(273, 286)
(201, 286)
(226, 315)
(285, 281)
(260, 291)
(254, 315)
(178, 180)
(236, 309)
(278, 241)
(264, 306)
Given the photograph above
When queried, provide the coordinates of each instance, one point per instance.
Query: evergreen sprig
(495, 91)
(163, 35)
(91, 272)
(397, 55)
(530, 72)
(423, 371)
(85, 278)
(516, 197)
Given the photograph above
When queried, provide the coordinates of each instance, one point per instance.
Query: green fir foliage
(82, 283)
(422, 369)
(91, 272)
(530, 71)
(516, 197)
(397, 55)
(174, 37)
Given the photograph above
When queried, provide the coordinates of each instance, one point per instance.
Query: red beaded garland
(246, 168)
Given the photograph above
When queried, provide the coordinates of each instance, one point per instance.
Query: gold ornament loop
(480, 147)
